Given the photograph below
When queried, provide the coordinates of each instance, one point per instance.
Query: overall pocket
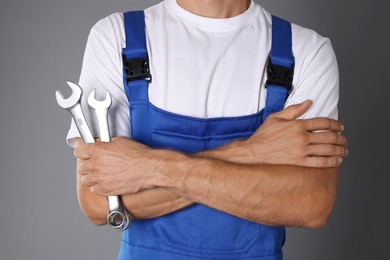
(192, 144)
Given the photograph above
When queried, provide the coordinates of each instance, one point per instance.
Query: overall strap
(280, 67)
(136, 74)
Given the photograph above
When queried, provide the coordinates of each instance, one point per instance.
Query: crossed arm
(285, 174)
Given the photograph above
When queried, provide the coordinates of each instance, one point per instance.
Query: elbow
(317, 219)
(97, 221)
(94, 208)
(95, 215)
(319, 212)
(316, 223)
(321, 201)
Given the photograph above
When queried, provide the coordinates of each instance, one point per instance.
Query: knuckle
(311, 123)
(298, 126)
(303, 139)
(302, 124)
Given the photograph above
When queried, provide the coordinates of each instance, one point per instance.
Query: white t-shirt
(205, 67)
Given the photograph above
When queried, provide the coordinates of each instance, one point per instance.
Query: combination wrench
(72, 105)
(117, 217)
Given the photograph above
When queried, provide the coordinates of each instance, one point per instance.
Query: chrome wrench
(117, 217)
(72, 105)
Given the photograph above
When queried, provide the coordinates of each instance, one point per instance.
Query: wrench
(117, 217)
(72, 105)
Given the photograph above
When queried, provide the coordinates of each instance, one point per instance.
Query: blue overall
(198, 231)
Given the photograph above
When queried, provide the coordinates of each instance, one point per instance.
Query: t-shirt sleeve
(102, 70)
(318, 78)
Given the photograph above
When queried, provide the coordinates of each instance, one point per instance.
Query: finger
(294, 111)
(323, 162)
(84, 167)
(103, 189)
(83, 151)
(327, 138)
(322, 123)
(327, 150)
(88, 180)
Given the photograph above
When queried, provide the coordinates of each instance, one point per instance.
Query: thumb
(294, 111)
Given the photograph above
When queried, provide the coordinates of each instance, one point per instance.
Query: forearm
(153, 203)
(160, 201)
(231, 158)
(141, 205)
(267, 194)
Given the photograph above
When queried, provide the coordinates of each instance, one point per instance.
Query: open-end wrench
(72, 104)
(117, 217)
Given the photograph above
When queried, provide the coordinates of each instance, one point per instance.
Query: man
(200, 178)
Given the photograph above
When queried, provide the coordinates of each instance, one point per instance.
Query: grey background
(42, 44)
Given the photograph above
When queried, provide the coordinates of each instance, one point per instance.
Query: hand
(122, 166)
(284, 139)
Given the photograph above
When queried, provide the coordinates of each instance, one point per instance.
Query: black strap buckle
(136, 69)
(279, 75)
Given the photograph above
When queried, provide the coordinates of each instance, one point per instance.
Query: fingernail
(342, 127)
(340, 160)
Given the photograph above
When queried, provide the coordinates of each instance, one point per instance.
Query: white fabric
(204, 67)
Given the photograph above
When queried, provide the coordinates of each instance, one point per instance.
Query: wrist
(237, 152)
(171, 168)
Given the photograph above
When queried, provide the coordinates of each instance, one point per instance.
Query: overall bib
(198, 232)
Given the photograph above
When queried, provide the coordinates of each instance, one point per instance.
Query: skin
(285, 174)
(215, 8)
